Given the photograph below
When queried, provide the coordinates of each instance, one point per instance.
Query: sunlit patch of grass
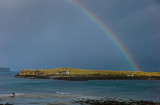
(86, 73)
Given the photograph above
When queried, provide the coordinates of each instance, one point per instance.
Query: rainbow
(108, 32)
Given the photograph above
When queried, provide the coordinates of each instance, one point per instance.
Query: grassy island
(75, 74)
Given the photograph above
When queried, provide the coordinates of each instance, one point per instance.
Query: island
(74, 74)
(4, 69)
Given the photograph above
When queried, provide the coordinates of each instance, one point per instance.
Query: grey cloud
(49, 34)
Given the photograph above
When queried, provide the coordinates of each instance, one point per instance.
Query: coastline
(86, 78)
(74, 74)
(69, 99)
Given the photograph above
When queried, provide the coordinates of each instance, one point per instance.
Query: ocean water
(47, 91)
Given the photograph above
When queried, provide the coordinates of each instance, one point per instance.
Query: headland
(74, 74)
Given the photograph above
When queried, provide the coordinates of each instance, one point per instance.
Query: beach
(67, 99)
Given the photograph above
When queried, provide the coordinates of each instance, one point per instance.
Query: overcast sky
(46, 34)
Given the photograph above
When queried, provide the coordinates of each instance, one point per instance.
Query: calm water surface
(121, 89)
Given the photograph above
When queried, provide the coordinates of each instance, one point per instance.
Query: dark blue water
(123, 89)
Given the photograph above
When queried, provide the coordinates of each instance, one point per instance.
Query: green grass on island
(66, 73)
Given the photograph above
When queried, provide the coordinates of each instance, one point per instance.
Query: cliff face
(4, 69)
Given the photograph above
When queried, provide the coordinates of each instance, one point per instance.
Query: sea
(62, 92)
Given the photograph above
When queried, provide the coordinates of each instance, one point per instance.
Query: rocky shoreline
(111, 101)
(108, 101)
(86, 78)
(7, 104)
(71, 99)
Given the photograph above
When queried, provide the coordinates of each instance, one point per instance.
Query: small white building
(130, 75)
(64, 72)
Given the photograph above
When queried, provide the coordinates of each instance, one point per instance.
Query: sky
(46, 34)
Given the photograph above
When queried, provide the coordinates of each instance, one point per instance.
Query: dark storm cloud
(53, 33)
(136, 23)
(157, 1)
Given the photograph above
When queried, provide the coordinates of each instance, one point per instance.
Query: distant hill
(4, 69)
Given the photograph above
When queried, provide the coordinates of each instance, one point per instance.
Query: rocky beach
(68, 99)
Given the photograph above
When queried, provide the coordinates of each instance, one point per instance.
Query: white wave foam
(5, 95)
(61, 93)
(10, 95)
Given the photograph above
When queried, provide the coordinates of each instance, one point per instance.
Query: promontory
(74, 74)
